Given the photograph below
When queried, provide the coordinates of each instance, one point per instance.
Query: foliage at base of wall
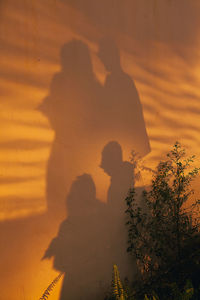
(163, 233)
(163, 288)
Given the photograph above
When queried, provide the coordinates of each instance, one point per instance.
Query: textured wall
(76, 75)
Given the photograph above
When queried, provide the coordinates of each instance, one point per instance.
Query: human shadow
(83, 113)
(78, 247)
(71, 109)
(120, 105)
(93, 237)
(122, 178)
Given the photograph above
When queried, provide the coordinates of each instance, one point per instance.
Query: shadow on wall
(93, 237)
(121, 107)
(71, 110)
(82, 113)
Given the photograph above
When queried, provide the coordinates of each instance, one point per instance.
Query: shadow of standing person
(77, 249)
(121, 180)
(71, 110)
(121, 107)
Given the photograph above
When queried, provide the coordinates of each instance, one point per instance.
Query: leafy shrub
(122, 292)
(161, 230)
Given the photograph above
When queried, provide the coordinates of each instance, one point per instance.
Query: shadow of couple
(93, 237)
(85, 114)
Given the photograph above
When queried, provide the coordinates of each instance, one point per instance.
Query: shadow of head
(109, 54)
(111, 158)
(75, 57)
(82, 195)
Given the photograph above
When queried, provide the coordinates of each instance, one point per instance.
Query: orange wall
(159, 49)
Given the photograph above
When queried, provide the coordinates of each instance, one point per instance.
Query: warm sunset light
(82, 85)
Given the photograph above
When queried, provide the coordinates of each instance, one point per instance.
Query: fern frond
(118, 290)
(47, 292)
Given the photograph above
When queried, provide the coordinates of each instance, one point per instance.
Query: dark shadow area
(93, 237)
(71, 109)
(82, 113)
(79, 248)
(121, 108)
(121, 175)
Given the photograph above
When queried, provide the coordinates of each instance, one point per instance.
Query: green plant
(159, 230)
(186, 294)
(176, 293)
(46, 293)
(152, 298)
(118, 290)
(173, 292)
